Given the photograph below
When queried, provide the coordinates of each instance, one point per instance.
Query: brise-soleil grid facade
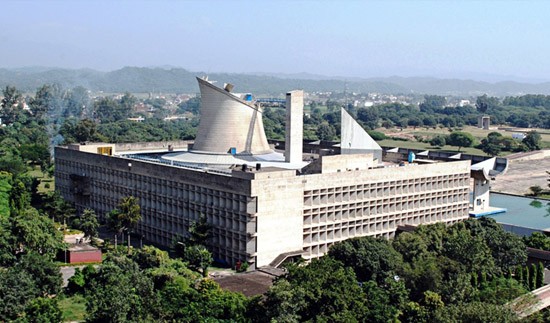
(258, 215)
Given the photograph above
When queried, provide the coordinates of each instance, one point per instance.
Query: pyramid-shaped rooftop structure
(355, 140)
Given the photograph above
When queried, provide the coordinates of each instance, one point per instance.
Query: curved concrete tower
(227, 122)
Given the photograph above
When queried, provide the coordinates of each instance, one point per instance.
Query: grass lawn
(47, 184)
(426, 146)
(73, 308)
(431, 132)
(322, 108)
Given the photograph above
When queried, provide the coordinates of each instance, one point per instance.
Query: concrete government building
(265, 206)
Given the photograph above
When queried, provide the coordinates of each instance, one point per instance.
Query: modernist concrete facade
(276, 209)
(258, 215)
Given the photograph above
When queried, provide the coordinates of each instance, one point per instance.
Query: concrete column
(481, 194)
(294, 126)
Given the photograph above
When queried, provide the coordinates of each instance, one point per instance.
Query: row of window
(391, 187)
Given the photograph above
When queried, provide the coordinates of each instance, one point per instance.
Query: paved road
(68, 272)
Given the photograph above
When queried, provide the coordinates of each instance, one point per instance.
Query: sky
(485, 40)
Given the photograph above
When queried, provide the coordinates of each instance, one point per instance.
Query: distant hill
(178, 80)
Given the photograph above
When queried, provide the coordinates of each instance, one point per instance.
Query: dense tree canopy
(460, 139)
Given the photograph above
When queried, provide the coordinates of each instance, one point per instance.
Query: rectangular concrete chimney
(294, 126)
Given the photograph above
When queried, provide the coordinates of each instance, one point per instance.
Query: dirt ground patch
(250, 284)
(521, 175)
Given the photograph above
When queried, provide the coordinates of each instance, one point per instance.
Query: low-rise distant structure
(484, 122)
(82, 254)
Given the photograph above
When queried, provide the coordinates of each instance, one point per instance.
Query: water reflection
(539, 205)
(522, 211)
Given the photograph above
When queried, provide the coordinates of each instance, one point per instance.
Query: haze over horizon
(481, 40)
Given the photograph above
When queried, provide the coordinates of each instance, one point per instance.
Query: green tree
(330, 293)
(81, 131)
(410, 246)
(284, 302)
(460, 139)
(43, 310)
(107, 110)
(192, 105)
(376, 135)
(415, 122)
(115, 224)
(48, 100)
(11, 161)
(507, 249)
(9, 107)
(76, 282)
(540, 275)
(500, 290)
(5, 190)
(532, 140)
(533, 277)
(536, 190)
(199, 258)
(17, 288)
(77, 102)
(325, 132)
(110, 110)
(43, 271)
(120, 292)
(199, 231)
(475, 312)
(386, 301)
(37, 154)
(33, 232)
(57, 208)
(492, 145)
(371, 258)
(87, 223)
(127, 102)
(369, 117)
(438, 141)
(126, 216)
(470, 251)
(538, 240)
(485, 103)
(215, 304)
(150, 257)
(432, 103)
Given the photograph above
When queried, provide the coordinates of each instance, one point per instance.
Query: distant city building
(518, 135)
(264, 206)
(463, 103)
(137, 119)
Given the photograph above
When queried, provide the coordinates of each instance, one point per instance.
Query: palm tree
(125, 216)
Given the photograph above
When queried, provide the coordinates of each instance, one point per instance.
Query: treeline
(125, 131)
(434, 274)
(433, 112)
(77, 117)
(528, 100)
(438, 273)
(56, 115)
